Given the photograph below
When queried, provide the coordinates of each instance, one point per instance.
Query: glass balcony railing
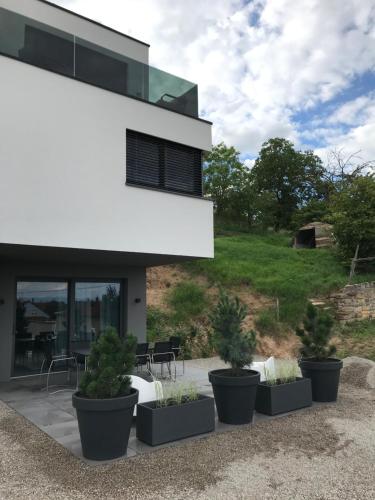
(41, 45)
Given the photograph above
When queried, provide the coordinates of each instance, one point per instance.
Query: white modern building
(101, 177)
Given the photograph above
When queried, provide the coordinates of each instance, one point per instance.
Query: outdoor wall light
(2, 302)
(137, 301)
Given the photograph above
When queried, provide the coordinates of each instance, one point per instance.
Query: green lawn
(357, 339)
(269, 265)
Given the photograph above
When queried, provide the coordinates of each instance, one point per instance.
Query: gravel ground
(323, 453)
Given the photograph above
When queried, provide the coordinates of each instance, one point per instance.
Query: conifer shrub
(315, 334)
(110, 362)
(233, 345)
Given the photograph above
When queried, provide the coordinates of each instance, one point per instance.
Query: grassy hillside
(270, 266)
(246, 263)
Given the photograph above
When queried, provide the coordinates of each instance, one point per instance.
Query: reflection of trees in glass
(111, 307)
(93, 315)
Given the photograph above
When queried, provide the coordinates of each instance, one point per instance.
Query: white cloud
(350, 127)
(360, 139)
(355, 112)
(253, 77)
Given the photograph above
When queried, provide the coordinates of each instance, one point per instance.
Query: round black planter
(104, 425)
(234, 396)
(325, 377)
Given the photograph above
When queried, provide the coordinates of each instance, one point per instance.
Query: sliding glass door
(41, 327)
(96, 307)
(59, 317)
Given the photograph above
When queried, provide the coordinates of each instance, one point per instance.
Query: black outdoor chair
(78, 345)
(142, 356)
(177, 349)
(164, 355)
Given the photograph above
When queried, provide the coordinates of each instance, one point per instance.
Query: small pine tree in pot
(111, 360)
(316, 360)
(235, 387)
(105, 401)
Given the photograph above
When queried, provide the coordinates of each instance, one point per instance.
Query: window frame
(161, 161)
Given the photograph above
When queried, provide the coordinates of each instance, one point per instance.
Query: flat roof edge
(64, 9)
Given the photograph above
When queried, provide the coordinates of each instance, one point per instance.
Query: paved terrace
(326, 452)
(54, 414)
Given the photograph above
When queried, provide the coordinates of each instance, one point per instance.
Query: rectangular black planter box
(169, 423)
(275, 399)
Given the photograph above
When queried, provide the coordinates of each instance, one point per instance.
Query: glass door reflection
(41, 329)
(96, 308)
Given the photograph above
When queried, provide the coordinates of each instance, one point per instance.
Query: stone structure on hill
(314, 235)
(355, 302)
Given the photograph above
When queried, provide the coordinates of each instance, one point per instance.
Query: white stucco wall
(63, 169)
(79, 27)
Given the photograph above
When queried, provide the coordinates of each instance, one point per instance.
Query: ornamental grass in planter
(283, 390)
(317, 362)
(180, 413)
(105, 400)
(235, 387)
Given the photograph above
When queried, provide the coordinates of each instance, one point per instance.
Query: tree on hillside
(341, 169)
(247, 203)
(222, 165)
(314, 210)
(353, 217)
(291, 177)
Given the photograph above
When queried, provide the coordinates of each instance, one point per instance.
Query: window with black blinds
(161, 164)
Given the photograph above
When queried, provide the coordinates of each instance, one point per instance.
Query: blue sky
(304, 70)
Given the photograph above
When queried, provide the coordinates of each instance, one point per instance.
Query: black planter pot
(170, 423)
(234, 396)
(104, 425)
(281, 398)
(325, 377)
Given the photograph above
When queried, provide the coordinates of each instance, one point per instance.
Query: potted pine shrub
(105, 400)
(235, 387)
(283, 390)
(317, 362)
(179, 413)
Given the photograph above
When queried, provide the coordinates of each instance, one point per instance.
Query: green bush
(187, 301)
(359, 329)
(266, 323)
(316, 334)
(110, 361)
(158, 324)
(314, 210)
(353, 216)
(233, 345)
